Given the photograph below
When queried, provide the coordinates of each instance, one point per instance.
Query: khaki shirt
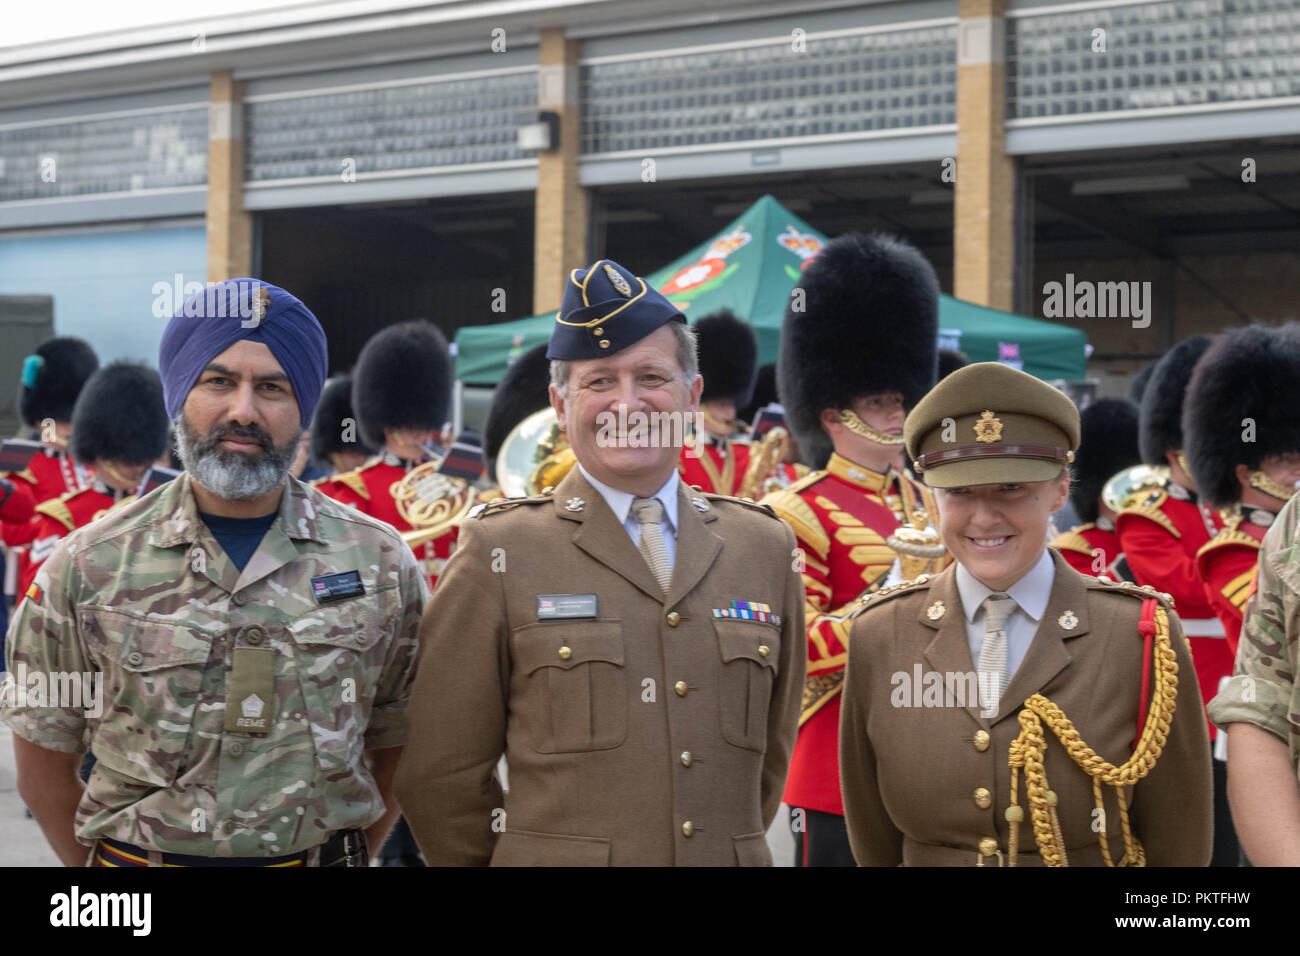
(1263, 689)
(146, 603)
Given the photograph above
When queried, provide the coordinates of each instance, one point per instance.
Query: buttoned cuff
(387, 726)
(1249, 699)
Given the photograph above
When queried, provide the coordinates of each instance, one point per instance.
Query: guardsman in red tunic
(853, 360)
(119, 426)
(1109, 445)
(52, 378)
(1243, 445)
(1162, 529)
(334, 434)
(401, 391)
(717, 459)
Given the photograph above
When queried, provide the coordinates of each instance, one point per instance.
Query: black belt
(344, 848)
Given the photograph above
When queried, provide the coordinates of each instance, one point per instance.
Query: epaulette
(354, 480)
(799, 515)
(498, 505)
(57, 509)
(747, 502)
(1073, 540)
(1140, 591)
(807, 481)
(1149, 507)
(1227, 537)
(889, 592)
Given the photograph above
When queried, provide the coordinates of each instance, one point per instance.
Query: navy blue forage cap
(606, 308)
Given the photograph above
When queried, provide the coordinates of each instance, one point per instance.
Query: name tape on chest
(336, 587)
(564, 607)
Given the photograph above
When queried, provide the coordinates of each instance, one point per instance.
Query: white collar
(1031, 592)
(620, 502)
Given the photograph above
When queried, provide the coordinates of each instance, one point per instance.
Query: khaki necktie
(650, 512)
(992, 666)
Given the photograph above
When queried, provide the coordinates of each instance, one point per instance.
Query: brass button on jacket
(680, 687)
(983, 799)
(674, 618)
(981, 740)
(686, 758)
(565, 653)
(688, 828)
(988, 846)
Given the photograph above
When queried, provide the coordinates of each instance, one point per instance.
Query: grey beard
(233, 475)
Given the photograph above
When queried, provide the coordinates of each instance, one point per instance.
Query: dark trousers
(820, 839)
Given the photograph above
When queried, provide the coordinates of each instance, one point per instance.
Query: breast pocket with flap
(750, 650)
(574, 685)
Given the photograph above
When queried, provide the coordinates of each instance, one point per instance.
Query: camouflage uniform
(1264, 679)
(147, 597)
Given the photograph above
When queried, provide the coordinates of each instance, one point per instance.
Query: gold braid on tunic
(1028, 749)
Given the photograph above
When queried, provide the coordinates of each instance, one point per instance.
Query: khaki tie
(992, 667)
(650, 512)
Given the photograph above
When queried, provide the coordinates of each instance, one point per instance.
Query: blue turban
(213, 320)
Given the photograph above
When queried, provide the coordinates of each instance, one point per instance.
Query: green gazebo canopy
(750, 268)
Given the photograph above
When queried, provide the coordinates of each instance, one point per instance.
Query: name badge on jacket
(563, 607)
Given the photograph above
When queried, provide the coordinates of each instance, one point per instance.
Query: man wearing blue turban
(259, 636)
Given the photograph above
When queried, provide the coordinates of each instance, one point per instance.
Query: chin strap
(850, 420)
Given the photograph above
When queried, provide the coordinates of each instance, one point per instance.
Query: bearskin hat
(334, 406)
(1236, 410)
(52, 377)
(120, 416)
(1160, 415)
(1108, 444)
(402, 379)
(521, 391)
(869, 323)
(949, 361)
(728, 351)
(1138, 387)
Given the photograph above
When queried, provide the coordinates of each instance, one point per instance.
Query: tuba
(430, 502)
(535, 456)
(1124, 486)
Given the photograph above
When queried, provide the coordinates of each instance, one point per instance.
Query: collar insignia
(574, 504)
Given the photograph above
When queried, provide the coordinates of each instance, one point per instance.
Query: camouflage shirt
(146, 603)
(1263, 689)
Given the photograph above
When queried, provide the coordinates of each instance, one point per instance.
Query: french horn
(535, 455)
(430, 502)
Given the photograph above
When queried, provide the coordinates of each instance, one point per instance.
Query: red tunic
(715, 470)
(1160, 535)
(1226, 566)
(842, 517)
(48, 476)
(56, 519)
(1091, 550)
(368, 489)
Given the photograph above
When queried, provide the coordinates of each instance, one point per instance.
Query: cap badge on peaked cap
(988, 428)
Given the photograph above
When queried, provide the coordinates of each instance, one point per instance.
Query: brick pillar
(230, 229)
(984, 212)
(560, 237)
